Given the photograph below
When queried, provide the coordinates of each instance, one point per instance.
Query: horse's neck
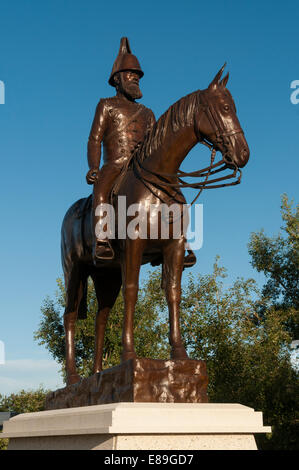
(172, 151)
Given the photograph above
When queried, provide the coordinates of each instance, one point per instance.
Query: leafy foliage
(247, 363)
(22, 402)
(278, 259)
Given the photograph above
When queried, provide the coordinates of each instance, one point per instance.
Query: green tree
(25, 401)
(248, 363)
(278, 259)
(22, 402)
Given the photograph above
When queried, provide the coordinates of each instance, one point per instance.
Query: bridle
(161, 182)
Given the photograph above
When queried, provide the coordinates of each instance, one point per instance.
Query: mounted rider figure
(120, 123)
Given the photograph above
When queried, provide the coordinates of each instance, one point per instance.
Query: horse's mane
(178, 115)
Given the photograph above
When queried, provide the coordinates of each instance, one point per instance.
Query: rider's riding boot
(103, 250)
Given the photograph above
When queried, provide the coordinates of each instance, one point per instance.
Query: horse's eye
(226, 107)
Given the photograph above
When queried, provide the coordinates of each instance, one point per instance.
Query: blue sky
(55, 60)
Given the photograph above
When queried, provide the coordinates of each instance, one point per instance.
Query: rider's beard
(132, 90)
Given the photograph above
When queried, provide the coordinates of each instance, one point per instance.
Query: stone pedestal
(138, 426)
(137, 380)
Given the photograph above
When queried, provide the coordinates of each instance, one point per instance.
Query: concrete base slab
(138, 426)
(137, 442)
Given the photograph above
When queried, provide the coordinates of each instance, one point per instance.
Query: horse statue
(152, 179)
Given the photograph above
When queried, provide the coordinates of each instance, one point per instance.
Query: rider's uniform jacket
(119, 124)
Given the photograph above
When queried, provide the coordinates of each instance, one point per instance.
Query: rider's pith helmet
(125, 61)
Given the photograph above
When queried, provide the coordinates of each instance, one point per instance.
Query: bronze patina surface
(148, 153)
(137, 380)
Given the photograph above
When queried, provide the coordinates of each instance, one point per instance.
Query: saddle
(82, 210)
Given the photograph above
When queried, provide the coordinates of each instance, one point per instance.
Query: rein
(161, 179)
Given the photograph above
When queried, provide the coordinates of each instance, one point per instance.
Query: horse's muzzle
(235, 151)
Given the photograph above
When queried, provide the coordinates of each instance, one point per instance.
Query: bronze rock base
(137, 380)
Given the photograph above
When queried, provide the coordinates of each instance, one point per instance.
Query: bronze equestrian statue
(148, 176)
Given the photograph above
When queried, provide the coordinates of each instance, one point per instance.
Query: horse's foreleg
(131, 262)
(107, 289)
(173, 263)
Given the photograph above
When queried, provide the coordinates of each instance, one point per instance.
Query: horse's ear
(217, 77)
(225, 80)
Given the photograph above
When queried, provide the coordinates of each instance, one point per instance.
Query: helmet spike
(125, 60)
(124, 46)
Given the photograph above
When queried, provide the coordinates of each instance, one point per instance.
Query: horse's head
(218, 123)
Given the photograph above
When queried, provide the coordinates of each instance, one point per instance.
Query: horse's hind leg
(173, 263)
(74, 291)
(107, 287)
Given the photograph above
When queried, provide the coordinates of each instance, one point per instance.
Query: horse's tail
(71, 248)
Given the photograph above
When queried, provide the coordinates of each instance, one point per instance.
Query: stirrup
(190, 259)
(103, 250)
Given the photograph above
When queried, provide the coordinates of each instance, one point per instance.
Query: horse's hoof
(179, 353)
(73, 379)
(126, 356)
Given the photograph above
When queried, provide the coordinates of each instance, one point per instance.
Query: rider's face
(129, 84)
